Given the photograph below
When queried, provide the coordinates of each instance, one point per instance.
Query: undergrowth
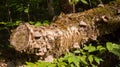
(88, 56)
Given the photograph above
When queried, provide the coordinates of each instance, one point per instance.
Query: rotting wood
(67, 32)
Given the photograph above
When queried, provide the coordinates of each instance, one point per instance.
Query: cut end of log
(19, 38)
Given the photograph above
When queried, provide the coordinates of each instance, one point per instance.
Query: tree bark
(67, 32)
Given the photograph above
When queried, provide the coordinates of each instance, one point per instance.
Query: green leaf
(116, 52)
(72, 65)
(26, 10)
(90, 48)
(90, 58)
(114, 48)
(61, 64)
(32, 22)
(29, 64)
(101, 49)
(52, 65)
(77, 51)
(83, 52)
(71, 2)
(17, 22)
(73, 59)
(83, 59)
(86, 47)
(84, 1)
(76, 1)
(2, 23)
(94, 65)
(109, 46)
(46, 22)
(42, 64)
(76, 61)
(97, 59)
(77, 64)
(38, 24)
(60, 59)
(70, 59)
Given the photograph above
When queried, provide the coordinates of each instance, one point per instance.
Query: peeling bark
(67, 32)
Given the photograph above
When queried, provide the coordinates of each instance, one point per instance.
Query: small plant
(113, 48)
(8, 25)
(89, 55)
(38, 23)
(81, 57)
(40, 64)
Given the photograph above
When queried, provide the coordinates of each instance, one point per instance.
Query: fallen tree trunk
(67, 32)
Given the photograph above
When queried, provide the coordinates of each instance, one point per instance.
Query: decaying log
(67, 31)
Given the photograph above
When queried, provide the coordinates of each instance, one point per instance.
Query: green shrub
(113, 48)
(79, 58)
